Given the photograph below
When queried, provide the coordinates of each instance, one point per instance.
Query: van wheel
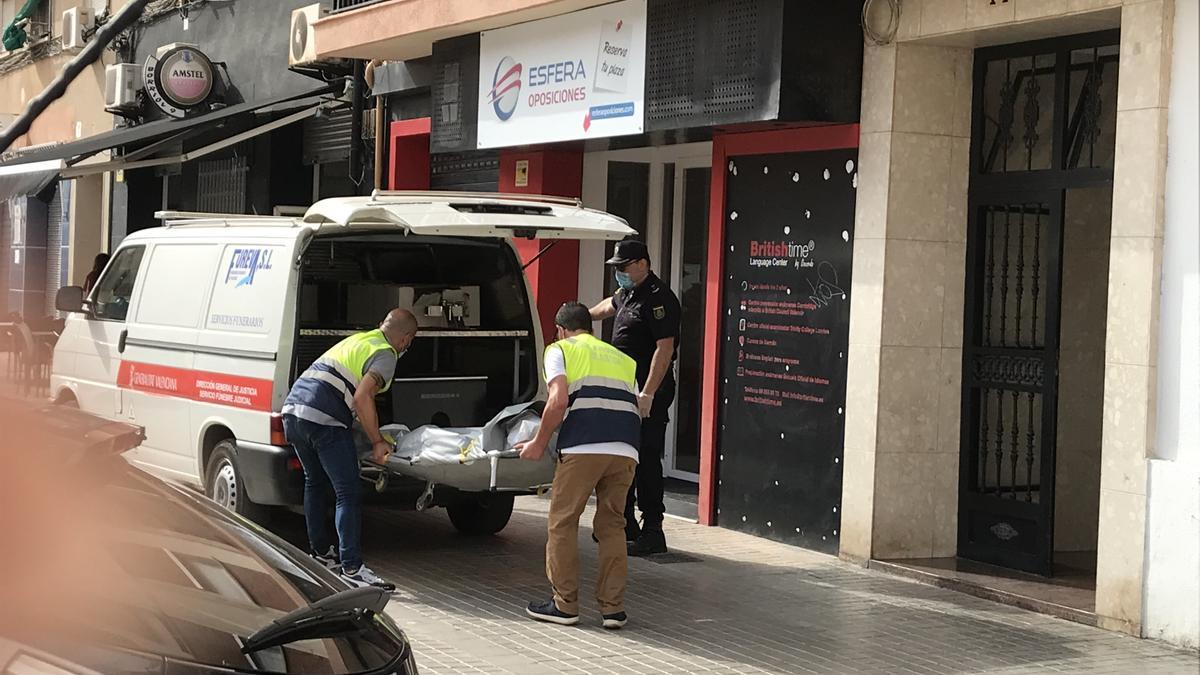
(223, 484)
(480, 513)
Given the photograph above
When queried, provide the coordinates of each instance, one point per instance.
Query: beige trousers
(575, 479)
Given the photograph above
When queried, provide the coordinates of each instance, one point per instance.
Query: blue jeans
(330, 459)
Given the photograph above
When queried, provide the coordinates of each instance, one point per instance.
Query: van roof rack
(176, 218)
(426, 195)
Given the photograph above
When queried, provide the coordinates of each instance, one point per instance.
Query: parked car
(197, 330)
(122, 572)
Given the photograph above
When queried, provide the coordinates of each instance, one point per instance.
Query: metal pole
(124, 19)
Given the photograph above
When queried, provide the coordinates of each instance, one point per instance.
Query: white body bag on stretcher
(471, 459)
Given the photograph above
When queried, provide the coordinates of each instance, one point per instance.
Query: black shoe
(546, 610)
(615, 621)
(630, 535)
(650, 543)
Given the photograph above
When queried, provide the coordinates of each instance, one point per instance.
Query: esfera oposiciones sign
(178, 78)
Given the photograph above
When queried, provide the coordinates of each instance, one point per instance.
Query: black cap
(630, 250)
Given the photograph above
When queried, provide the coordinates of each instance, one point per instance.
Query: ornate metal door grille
(1043, 122)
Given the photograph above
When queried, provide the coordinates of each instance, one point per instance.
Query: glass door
(688, 274)
(663, 193)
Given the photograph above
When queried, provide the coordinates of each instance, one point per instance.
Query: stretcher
(491, 465)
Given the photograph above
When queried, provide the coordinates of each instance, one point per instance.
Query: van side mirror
(69, 299)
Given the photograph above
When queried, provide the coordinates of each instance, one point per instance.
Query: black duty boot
(649, 543)
(632, 532)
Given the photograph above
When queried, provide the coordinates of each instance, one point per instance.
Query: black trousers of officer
(647, 488)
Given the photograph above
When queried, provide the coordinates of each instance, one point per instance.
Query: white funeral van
(197, 329)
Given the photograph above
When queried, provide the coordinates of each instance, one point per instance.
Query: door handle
(121, 341)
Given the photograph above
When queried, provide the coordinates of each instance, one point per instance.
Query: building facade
(939, 297)
(203, 119)
(50, 229)
(1019, 384)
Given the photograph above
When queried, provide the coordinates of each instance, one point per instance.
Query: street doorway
(663, 192)
(1040, 209)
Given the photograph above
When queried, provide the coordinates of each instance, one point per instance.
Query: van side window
(110, 297)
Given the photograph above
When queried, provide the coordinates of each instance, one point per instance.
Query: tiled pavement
(745, 605)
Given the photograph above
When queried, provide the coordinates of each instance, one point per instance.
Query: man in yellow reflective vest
(318, 415)
(593, 397)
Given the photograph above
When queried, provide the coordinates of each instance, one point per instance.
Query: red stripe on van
(219, 388)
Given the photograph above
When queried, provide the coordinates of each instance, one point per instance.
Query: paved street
(730, 603)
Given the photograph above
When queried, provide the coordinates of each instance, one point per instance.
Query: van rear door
(470, 215)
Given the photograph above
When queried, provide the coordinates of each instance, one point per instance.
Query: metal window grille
(346, 5)
(222, 185)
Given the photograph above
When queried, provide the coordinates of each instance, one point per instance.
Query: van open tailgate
(459, 214)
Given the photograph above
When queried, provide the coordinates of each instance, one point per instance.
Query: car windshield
(177, 577)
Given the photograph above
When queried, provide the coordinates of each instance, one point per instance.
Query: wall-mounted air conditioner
(121, 84)
(302, 45)
(74, 21)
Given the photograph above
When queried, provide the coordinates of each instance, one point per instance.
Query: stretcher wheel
(381, 481)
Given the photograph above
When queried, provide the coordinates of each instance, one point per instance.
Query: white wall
(1172, 594)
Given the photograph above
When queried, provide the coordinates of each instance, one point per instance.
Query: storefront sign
(580, 75)
(789, 236)
(178, 78)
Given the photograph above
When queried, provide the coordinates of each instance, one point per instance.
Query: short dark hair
(573, 316)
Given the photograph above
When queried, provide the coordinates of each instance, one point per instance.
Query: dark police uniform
(644, 316)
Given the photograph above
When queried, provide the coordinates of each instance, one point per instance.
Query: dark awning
(146, 135)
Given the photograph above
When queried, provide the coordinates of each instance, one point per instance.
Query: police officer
(647, 329)
(317, 418)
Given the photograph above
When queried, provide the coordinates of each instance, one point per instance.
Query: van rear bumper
(269, 480)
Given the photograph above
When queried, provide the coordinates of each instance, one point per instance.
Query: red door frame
(806, 139)
(408, 153)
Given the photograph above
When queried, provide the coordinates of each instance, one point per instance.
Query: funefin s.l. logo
(245, 264)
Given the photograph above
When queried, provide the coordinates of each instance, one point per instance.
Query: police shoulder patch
(660, 312)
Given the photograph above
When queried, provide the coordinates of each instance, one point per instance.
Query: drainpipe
(380, 124)
(357, 171)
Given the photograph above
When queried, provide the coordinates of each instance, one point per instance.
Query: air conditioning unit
(121, 84)
(74, 21)
(302, 46)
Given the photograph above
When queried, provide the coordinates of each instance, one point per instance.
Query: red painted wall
(554, 276)
(408, 154)
(726, 145)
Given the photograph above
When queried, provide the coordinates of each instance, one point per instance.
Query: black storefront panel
(789, 239)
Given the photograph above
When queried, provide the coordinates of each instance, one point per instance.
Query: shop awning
(27, 179)
(141, 142)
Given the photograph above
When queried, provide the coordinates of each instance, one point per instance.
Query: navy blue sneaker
(615, 621)
(546, 610)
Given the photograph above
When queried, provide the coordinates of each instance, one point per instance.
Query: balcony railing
(347, 5)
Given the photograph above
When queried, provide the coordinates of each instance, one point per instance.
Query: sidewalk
(727, 603)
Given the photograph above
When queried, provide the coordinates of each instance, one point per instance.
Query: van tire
(480, 513)
(223, 483)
